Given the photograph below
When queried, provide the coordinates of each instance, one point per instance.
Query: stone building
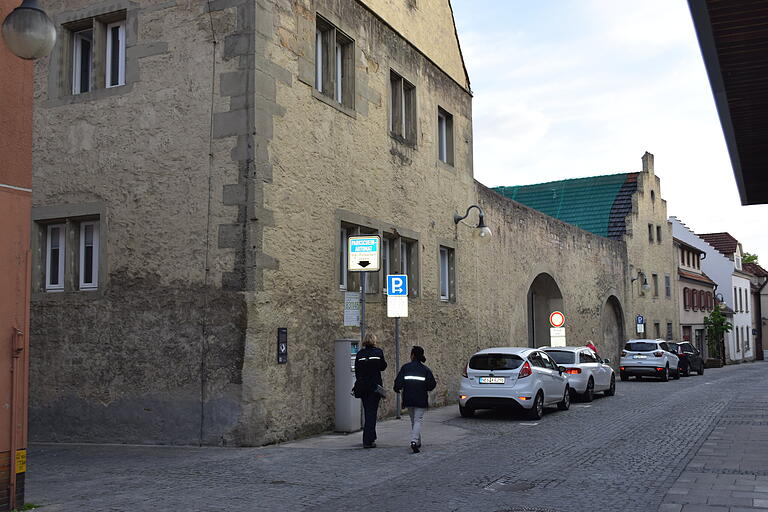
(695, 295)
(199, 167)
(627, 207)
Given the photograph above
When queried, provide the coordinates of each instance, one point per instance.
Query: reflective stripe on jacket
(369, 363)
(415, 379)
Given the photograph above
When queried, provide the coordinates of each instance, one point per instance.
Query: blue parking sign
(640, 319)
(397, 285)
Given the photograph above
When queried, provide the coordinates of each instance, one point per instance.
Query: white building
(722, 264)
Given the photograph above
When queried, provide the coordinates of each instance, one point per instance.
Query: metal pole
(397, 363)
(362, 306)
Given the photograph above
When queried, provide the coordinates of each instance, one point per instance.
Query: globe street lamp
(482, 231)
(29, 32)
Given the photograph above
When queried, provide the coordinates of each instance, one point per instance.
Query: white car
(587, 373)
(648, 358)
(513, 377)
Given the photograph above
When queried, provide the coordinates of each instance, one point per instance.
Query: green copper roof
(598, 204)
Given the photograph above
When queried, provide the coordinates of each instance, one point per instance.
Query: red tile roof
(755, 269)
(723, 242)
(702, 278)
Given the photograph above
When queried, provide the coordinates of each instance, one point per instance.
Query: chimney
(648, 163)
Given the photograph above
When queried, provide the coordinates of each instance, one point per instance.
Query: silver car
(587, 373)
(648, 358)
(513, 377)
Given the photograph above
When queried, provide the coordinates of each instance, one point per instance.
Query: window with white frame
(334, 63)
(445, 136)
(89, 255)
(447, 274)
(402, 108)
(115, 56)
(54, 257)
(82, 61)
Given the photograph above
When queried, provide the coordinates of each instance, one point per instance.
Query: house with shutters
(627, 207)
(695, 292)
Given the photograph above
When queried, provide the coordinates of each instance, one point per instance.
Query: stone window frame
(98, 16)
(445, 137)
(326, 86)
(658, 234)
(451, 253)
(650, 233)
(655, 279)
(396, 235)
(403, 109)
(667, 286)
(72, 217)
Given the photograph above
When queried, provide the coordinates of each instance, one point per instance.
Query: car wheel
(623, 377)
(589, 394)
(537, 411)
(612, 388)
(466, 412)
(665, 374)
(701, 369)
(687, 371)
(565, 403)
(676, 375)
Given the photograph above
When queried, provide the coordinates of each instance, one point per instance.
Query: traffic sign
(556, 319)
(397, 285)
(640, 320)
(282, 345)
(397, 306)
(363, 254)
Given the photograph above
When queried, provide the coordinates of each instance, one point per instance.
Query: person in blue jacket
(369, 363)
(415, 380)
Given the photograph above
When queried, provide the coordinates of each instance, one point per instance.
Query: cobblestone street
(700, 443)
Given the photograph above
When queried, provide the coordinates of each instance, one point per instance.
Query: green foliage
(749, 258)
(27, 506)
(717, 325)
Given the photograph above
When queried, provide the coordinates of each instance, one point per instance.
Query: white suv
(648, 358)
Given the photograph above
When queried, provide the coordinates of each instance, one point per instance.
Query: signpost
(397, 307)
(557, 331)
(640, 321)
(363, 255)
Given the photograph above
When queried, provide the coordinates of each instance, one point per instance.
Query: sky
(572, 88)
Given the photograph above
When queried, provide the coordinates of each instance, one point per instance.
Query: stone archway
(611, 327)
(544, 297)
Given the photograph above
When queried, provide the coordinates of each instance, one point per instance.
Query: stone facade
(223, 182)
(651, 258)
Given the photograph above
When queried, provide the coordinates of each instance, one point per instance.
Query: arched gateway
(544, 297)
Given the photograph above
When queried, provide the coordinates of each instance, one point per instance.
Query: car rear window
(562, 356)
(495, 362)
(640, 346)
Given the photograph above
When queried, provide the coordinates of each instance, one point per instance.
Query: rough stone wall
(155, 354)
(333, 165)
(656, 257)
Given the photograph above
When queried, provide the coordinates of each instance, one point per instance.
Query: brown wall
(15, 203)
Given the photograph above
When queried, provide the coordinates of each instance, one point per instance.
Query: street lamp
(644, 283)
(29, 32)
(482, 231)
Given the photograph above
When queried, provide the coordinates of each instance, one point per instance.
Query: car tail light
(658, 354)
(464, 372)
(573, 371)
(525, 371)
(623, 353)
(621, 368)
(660, 369)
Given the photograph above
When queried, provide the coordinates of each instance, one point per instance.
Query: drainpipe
(17, 347)
(759, 355)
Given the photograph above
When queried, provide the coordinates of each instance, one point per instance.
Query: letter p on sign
(397, 285)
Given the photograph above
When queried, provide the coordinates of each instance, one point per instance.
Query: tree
(717, 325)
(749, 258)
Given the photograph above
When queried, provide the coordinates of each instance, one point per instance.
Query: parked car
(526, 379)
(690, 358)
(587, 373)
(649, 358)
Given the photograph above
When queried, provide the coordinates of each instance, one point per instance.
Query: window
(334, 69)
(746, 338)
(682, 256)
(82, 61)
(746, 301)
(536, 360)
(737, 261)
(669, 331)
(655, 285)
(686, 298)
(735, 299)
(115, 57)
(447, 275)
(402, 108)
(350, 281)
(737, 340)
(548, 362)
(587, 357)
(741, 302)
(650, 233)
(667, 287)
(658, 234)
(89, 255)
(657, 330)
(491, 362)
(710, 304)
(562, 356)
(54, 257)
(445, 136)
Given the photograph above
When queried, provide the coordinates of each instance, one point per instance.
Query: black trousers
(370, 410)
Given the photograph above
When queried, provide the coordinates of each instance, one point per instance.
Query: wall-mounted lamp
(29, 32)
(482, 231)
(644, 283)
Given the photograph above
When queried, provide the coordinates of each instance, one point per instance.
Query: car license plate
(640, 356)
(492, 380)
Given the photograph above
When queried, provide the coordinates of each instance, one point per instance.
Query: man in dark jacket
(369, 363)
(415, 380)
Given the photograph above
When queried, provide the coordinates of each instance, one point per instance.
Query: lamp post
(644, 287)
(482, 231)
(28, 31)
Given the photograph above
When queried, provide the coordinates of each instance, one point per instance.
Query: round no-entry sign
(556, 319)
